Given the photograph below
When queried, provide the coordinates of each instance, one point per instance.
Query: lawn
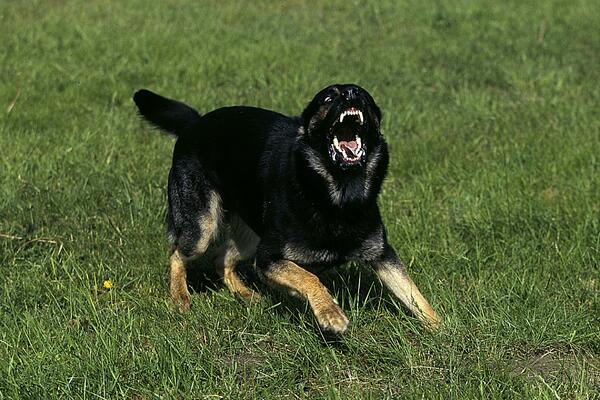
(491, 110)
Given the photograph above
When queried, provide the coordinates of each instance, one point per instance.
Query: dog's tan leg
(191, 244)
(179, 291)
(225, 264)
(300, 282)
(393, 274)
(241, 246)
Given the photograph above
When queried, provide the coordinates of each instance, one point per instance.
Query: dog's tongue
(350, 146)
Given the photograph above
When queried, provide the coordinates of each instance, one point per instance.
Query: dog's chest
(334, 248)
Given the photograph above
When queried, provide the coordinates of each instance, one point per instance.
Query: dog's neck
(341, 189)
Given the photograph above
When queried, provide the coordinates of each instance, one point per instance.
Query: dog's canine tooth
(358, 141)
(336, 143)
(360, 115)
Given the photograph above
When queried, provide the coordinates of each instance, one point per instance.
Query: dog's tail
(169, 115)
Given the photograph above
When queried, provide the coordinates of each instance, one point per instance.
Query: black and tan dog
(293, 193)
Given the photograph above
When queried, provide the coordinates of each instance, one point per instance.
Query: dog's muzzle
(347, 147)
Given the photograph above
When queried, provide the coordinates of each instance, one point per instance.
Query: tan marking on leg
(301, 282)
(225, 264)
(395, 277)
(209, 222)
(240, 247)
(179, 291)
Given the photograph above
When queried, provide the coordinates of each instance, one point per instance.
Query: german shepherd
(291, 193)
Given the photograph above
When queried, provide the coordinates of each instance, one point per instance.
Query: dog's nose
(349, 93)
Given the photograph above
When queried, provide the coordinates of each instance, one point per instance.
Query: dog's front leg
(298, 281)
(393, 274)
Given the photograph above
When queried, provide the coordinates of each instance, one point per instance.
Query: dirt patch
(552, 365)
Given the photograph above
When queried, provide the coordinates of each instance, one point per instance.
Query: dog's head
(341, 123)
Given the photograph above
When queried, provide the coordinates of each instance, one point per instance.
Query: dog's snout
(350, 93)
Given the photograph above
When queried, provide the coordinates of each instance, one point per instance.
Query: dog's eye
(328, 99)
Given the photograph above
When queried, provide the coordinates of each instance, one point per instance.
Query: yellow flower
(107, 284)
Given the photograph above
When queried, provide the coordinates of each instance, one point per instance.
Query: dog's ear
(313, 115)
(169, 115)
(307, 115)
(314, 111)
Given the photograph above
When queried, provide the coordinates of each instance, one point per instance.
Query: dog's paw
(248, 295)
(432, 321)
(238, 288)
(332, 319)
(181, 300)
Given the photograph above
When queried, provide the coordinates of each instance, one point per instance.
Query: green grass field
(491, 110)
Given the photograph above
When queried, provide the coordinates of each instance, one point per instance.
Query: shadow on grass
(202, 277)
(353, 286)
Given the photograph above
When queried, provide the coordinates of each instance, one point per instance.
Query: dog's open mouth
(347, 147)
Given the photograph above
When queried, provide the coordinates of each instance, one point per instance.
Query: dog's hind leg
(178, 285)
(393, 274)
(194, 217)
(239, 246)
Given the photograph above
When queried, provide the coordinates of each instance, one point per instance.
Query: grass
(493, 199)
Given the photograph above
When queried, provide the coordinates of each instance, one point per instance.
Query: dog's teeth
(336, 145)
(352, 112)
(358, 142)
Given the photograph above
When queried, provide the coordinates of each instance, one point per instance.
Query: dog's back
(221, 148)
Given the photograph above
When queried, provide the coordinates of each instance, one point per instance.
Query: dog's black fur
(310, 201)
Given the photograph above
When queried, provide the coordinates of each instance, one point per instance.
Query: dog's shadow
(202, 276)
(347, 284)
(352, 285)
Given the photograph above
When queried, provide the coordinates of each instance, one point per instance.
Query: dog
(293, 194)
